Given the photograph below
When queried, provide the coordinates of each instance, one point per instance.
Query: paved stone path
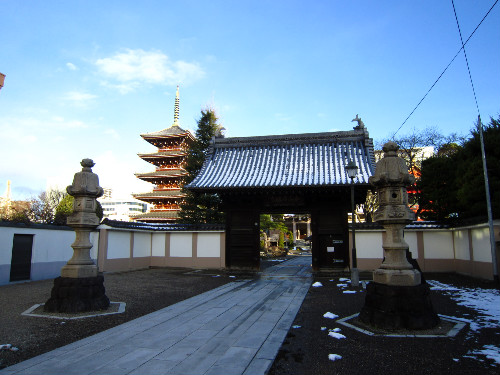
(237, 328)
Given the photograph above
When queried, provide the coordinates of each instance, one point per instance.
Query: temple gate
(294, 173)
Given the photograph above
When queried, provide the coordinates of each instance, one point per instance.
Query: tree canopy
(201, 208)
(452, 183)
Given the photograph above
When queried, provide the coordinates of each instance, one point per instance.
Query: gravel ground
(143, 291)
(306, 348)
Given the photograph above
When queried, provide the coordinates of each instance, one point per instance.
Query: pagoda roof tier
(284, 161)
(158, 215)
(163, 154)
(175, 131)
(171, 173)
(159, 194)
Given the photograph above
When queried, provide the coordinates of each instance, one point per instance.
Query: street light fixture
(352, 172)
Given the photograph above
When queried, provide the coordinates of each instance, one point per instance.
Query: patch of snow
(335, 330)
(484, 301)
(323, 328)
(8, 347)
(216, 276)
(348, 291)
(231, 276)
(342, 285)
(336, 335)
(334, 357)
(490, 351)
(317, 284)
(345, 280)
(456, 359)
(296, 326)
(330, 315)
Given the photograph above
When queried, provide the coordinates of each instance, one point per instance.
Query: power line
(483, 157)
(447, 66)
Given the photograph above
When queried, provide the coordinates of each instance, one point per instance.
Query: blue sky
(86, 78)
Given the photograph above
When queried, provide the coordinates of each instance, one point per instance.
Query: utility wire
(483, 157)
(447, 66)
(466, 59)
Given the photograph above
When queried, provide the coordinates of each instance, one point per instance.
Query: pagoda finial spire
(176, 108)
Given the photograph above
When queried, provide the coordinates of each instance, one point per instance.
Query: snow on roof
(293, 160)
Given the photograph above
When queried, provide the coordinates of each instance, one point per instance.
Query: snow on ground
(342, 285)
(317, 284)
(486, 303)
(336, 335)
(334, 357)
(349, 291)
(330, 315)
(490, 351)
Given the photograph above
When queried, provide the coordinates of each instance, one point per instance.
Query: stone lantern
(80, 287)
(396, 298)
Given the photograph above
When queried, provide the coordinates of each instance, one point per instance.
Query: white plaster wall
(208, 245)
(118, 244)
(158, 245)
(48, 245)
(481, 244)
(142, 245)
(181, 245)
(51, 245)
(6, 238)
(369, 245)
(411, 240)
(438, 245)
(94, 239)
(461, 238)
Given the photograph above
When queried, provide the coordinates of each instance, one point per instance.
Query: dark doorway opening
(20, 266)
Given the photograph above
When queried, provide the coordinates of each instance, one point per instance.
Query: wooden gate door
(242, 239)
(330, 239)
(20, 266)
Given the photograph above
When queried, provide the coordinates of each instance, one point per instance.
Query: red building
(166, 197)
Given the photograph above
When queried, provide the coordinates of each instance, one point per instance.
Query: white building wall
(118, 244)
(411, 240)
(50, 252)
(158, 245)
(209, 245)
(481, 244)
(142, 245)
(461, 241)
(181, 245)
(438, 245)
(369, 244)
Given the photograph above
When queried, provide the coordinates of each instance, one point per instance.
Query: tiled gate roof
(293, 160)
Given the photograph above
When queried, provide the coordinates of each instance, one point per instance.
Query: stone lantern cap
(85, 183)
(85, 189)
(391, 170)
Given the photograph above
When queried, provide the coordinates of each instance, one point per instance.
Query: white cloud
(79, 98)
(71, 66)
(113, 133)
(283, 117)
(132, 67)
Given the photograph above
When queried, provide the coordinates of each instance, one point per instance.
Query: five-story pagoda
(173, 144)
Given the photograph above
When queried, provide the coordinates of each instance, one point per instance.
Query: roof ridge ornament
(361, 124)
(176, 108)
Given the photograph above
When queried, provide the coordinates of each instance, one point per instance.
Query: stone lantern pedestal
(396, 298)
(80, 287)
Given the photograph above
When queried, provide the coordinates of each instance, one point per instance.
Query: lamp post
(352, 171)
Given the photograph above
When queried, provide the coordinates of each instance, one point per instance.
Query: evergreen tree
(452, 182)
(201, 207)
